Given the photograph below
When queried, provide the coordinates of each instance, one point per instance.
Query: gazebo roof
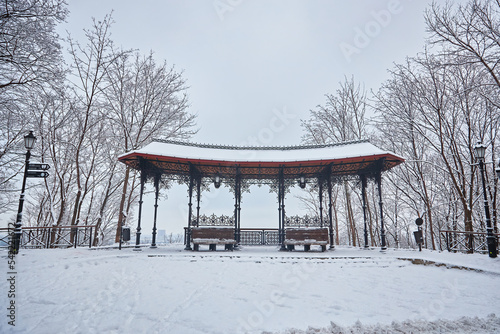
(256, 162)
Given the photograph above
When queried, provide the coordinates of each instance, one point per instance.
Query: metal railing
(302, 221)
(254, 236)
(259, 236)
(213, 220)
(464, 241)
(52, 236)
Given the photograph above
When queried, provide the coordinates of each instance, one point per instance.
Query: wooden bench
(306, 237)
(213, 236)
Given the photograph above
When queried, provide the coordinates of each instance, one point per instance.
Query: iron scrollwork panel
(251, 237)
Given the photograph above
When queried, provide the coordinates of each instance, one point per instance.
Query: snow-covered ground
(254, 290)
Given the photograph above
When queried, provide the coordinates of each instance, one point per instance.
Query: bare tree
(432, 109)
(29, 46)
(30, 59)
(341, 119)
(472, 32)
(145, 100)
(89, 64)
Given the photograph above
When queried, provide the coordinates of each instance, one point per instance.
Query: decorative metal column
(198, 198)
(141, 193)
(283, 212)
(29, 143)
(320, 186)
(378, 178)
(281, 207)
(190, 208)
(157, 194)
(237, 205)
(330, 209)
(491, 241)
(363, 195)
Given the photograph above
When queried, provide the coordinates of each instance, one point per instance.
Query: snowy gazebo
(198, 165)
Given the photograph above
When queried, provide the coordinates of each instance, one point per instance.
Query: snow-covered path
(256, 289)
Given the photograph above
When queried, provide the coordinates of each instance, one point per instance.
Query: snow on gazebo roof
(175, 157)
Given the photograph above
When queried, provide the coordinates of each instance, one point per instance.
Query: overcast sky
(256, 67)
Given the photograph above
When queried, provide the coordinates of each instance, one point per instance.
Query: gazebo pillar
(190, 209)
(138, 231)
(237, 206)
(365, 219)
(157, 193)
(320, 186)
(330, 209)
(198, 198)
(281, 207)
(378, 179)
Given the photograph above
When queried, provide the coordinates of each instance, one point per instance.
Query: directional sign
(38, 166)
(32, 173)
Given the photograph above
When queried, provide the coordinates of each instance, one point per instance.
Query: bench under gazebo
(198, 165)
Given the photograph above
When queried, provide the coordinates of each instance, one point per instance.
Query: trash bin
(419, 238)
(126, 233)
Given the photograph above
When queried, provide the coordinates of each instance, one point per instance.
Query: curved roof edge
(176, 157)
(258, 148)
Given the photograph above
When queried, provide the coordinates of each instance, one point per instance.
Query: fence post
(448, 241)
(90, 237)
(76, 237)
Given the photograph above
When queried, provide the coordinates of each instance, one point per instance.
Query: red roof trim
(259, 163)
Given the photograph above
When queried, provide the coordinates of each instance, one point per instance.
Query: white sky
(245, 58)
(256, 67)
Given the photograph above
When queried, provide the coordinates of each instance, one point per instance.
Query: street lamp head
(29, 141)
(480, 150)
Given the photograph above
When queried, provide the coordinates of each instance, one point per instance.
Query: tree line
(434, 108)
(103, 102)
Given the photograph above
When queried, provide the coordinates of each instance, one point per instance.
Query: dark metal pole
(320, 184)
(236, 204)
(190, 210)
(157, 194)
(141, 193)
(363, 195)
(283, 212)
(281, 196)
(330, 210)
(90, 238)
(381, 205)
(238, 229)
(16, 240)
(490, 238)
(198, 198)
(279, 210)
(420, 244)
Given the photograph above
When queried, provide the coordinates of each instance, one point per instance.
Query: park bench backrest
(212, 233)
(318, 234)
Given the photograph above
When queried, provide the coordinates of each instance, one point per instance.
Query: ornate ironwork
(259, 237)
(213, 220)
(463, 241)
(302, 221)
(258, 148)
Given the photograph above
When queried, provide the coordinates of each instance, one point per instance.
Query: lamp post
(480, 151)
(29, 143)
